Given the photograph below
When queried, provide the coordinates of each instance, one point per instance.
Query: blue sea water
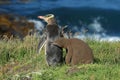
(101, 18)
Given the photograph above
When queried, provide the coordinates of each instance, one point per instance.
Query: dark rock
(15, 26)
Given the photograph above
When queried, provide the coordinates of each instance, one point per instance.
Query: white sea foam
(99, 35)
(96, 26)
(97, 32)
(38, 24)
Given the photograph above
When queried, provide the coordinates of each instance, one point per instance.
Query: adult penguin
(54, 54)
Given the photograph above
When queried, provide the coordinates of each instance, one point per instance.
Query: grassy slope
(19, 61)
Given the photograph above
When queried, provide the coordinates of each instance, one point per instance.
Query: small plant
(19, 61)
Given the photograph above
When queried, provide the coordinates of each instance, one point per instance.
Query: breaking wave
(38, 24)
(104, 4)
(33, 6)
(70, 12)
(99, 33)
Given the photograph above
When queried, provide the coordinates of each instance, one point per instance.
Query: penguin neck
(51, 21)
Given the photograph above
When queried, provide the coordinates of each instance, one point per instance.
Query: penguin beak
(41, 17)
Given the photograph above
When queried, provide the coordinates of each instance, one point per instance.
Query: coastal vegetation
(20, 61)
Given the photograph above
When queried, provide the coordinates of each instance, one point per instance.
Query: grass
(19, 61)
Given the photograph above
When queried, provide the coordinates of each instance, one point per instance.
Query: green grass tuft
(19, 61)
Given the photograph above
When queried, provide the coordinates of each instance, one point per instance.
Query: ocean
(99, 20)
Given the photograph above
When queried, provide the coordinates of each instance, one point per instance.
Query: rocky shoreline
(16, 26)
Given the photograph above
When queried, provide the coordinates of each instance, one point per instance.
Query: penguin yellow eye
(48, 15)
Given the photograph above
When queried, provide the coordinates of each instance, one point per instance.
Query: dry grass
(19, 61)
